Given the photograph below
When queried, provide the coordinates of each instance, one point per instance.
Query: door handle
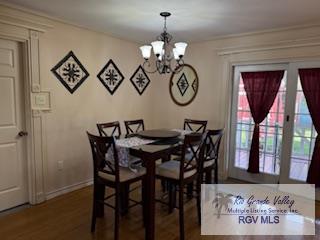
(22, 133)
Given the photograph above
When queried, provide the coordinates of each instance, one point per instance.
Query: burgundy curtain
(310, 82)
(261, 89)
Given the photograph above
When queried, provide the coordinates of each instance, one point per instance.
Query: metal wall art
(110, 76)
(70, 72)
(140, 80)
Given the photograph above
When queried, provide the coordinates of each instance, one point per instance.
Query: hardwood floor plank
(68, 217)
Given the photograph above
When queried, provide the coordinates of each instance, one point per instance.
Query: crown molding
(260, 32)
(294, 43)
(50, 18)
(10, 16)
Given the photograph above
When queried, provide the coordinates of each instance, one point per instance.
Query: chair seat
(171, 169)
(208, 163)
(125, 174)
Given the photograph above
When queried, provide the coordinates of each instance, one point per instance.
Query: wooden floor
(68, 217)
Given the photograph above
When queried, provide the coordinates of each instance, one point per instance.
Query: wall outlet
(60, 165)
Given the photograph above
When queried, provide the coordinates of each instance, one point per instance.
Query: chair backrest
(109, 129)
(195, 125)
(213, 144)
(100, 147)
(193, 147)
(134, 126)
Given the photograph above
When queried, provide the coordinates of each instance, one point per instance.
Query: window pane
(301, 147)
(299, 169)
(303, 138)
(301, 103)
(302, 125)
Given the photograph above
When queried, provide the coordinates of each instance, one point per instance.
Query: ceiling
(192, 20)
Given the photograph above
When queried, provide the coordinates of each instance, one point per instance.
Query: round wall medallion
(184, 85)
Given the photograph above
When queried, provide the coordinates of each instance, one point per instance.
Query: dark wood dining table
(149, 154)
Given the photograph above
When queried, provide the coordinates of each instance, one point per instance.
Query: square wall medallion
(110, 76)
(140, 80)
(70, 72)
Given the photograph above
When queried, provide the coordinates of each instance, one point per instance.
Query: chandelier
(164, 51)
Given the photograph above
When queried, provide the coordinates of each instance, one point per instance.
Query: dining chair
(195, 125)
(211, 155)
(107, 172)
(109, 129)
(180, 173)
(198, 126)
(134, 126)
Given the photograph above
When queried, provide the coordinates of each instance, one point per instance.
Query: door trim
(34, 120)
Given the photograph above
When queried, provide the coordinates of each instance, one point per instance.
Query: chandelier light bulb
(175, 54)
(146, 51)
(181, 48)
(157, 47)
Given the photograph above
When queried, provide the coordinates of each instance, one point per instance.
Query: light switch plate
(41, 101)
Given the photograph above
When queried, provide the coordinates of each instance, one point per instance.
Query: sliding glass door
(287, 135)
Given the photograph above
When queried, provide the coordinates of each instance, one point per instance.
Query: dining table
(150, 146)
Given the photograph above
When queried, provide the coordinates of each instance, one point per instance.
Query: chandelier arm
(160, 66)
(179, 66)
(145, 69)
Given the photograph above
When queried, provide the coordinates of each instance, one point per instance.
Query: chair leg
(117, 213)
(164, 183)
(198, 190)
(181, 213)
(172, 196)
(164, 186)
(99, 199)
(124, 198)
(216, 173)
(94, 215)
(208, 176)
(190, 190)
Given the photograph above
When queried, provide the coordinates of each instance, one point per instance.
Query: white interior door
(13, 169)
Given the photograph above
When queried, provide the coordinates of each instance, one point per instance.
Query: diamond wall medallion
(110, 76)
(70, 72)
(140, 80)
(182, 84)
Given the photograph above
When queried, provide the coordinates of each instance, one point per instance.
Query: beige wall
(73, 114)
(64, 137)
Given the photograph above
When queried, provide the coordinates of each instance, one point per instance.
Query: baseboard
(68, 189)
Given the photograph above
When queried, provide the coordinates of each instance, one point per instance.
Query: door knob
(22, 133)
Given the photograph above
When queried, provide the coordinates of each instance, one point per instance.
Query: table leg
(150, 199)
